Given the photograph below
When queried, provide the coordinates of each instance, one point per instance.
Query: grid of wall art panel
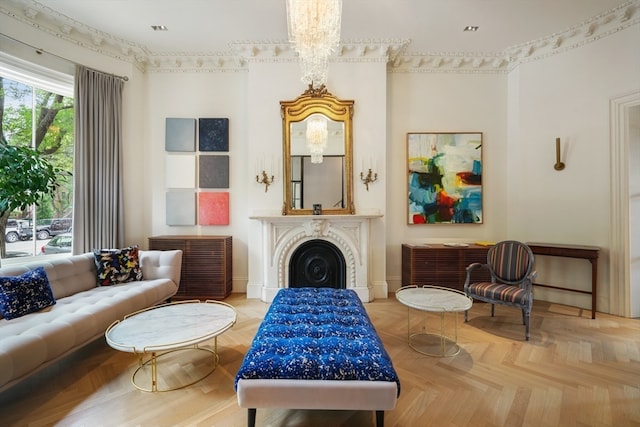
(197, 171)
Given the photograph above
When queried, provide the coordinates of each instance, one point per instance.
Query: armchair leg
(493, 309)
(527, 317)
(466, 316)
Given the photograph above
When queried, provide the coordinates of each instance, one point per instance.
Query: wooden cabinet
(206, 264)
(440, 265)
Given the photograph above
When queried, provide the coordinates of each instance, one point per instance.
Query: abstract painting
(181, 207)
(213, 171)
(213, 134)
(213, 208)
(180, 134)
(444, 178)
(180, 171)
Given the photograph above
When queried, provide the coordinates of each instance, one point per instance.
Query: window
(36, 111)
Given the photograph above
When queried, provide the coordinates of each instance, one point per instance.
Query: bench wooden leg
(251, 417)
(379, 418)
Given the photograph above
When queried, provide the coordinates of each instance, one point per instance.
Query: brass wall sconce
(559, 165)
(369, 178)
(264, 179)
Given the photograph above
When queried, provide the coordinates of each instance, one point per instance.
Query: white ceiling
(430, 25)
(416, 27)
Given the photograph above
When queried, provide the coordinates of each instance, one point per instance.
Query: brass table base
(434, 344)
(153, 364)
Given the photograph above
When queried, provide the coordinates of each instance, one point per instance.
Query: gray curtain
(98, 214)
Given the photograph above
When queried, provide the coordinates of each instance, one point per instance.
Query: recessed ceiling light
(159, 28)
(471, 28)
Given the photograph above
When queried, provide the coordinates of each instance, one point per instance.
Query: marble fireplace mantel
(282, 234)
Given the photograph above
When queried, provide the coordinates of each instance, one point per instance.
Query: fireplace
(317, 263)
(311, 250)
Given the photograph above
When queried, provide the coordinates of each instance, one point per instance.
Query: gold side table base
(433, 344)
(153, 363)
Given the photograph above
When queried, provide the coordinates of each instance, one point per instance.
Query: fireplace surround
(282, 235)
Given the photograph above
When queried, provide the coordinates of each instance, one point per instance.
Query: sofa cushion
(24, 294)
(117, 265)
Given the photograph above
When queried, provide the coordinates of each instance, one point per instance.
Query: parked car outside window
(47, 228)
(18, 229)
(58, 245)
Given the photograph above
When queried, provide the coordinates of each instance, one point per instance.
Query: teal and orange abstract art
(444, 178)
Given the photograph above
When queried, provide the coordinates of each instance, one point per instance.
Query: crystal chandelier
(317, 135)
(314, 31)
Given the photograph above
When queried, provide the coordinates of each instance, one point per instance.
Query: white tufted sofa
(82, 312)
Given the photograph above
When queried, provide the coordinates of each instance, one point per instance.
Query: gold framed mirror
(318, 154)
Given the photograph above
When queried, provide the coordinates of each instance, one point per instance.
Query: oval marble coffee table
(167, 328)
(433, 299)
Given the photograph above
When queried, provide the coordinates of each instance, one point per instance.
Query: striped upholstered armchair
(511, 266)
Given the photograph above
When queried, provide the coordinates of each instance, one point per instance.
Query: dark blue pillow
(24, 294)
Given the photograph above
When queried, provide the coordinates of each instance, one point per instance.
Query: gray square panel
(181, 208)
(213, 171)
(180, 134)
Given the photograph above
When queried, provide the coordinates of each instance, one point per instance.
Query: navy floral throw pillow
(117, 265)
(24, 294)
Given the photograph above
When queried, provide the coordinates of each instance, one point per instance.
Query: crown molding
(591, 30)
(393, 52)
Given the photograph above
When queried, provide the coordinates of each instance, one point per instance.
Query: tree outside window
(36, 162)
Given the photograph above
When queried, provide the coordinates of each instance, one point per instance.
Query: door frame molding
(619, 253)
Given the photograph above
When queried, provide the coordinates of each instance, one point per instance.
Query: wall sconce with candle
(370, 176)
(264, 179)
(559, 165)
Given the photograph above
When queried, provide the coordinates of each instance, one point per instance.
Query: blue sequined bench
(317, 349)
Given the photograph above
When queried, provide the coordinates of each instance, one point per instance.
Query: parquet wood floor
(574, 371)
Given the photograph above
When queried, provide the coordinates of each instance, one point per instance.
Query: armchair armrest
(528, 283)
(471, 268)
(475, 266)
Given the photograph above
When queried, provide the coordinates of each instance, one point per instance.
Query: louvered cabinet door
(167, 243)
(419, 266)
(440, 265)
(206, 265)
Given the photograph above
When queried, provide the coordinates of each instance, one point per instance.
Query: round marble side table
(433, 299)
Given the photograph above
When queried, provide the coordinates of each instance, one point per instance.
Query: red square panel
(213, 208)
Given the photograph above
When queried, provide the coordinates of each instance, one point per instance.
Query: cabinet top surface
(192, 237)
(444, 246)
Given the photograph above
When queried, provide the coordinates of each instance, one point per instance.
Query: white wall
(201, 95)
(445, 103)
(567, 96)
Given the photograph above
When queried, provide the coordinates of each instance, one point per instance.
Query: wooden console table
(442, 265)
(206, 265)
(589, 253)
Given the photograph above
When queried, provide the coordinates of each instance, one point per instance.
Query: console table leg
(443, 342)
(594, 286)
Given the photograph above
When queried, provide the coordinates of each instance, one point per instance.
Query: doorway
(624, 256)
